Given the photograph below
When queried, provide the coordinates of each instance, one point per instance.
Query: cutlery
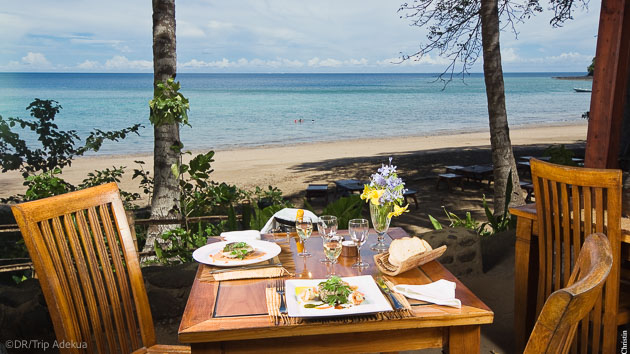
(247, 267)
(386, 291)
(280, 290)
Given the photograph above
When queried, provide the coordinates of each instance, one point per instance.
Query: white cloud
(189, 30)
(509, 55)
(120, 62)
(88, 65)
(35, 59)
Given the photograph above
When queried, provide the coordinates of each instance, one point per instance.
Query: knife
(248, 267)
(386, 291)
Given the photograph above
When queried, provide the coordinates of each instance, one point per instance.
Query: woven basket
(382, 261)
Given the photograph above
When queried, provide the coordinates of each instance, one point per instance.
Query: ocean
(241, 110)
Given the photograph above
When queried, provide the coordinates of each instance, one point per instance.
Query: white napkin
(441, 292)
(289, 215)
(245, 235)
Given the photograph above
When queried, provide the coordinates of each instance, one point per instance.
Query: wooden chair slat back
(573, 202)
(558, 322)
(88, 268)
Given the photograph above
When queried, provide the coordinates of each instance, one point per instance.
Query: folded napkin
(287, 214)
(244, 235)
(441, 292)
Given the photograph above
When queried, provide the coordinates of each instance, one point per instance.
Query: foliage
(560, 155)
(455, 221)
(180, 246)
(591, 68)
(168, 105)
(146, 181)
(46, 184)
(58, 147)
(269, 196)
(345, 209)
(501, 222)
(260, 216)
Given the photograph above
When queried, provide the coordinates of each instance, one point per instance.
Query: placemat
(277, 318)
(285, 258)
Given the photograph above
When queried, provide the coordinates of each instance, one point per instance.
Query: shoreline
(292, 167)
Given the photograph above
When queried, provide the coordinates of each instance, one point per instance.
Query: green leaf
(436, 224)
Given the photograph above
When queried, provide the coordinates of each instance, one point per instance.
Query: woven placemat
(277, 318)
(285, 258)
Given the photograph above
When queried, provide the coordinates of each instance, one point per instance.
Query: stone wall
(463, 252)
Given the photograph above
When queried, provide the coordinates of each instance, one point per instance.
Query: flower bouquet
(385, 196)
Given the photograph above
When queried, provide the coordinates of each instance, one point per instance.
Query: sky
(268, 36)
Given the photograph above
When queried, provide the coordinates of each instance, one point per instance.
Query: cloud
(120, 62)
(88, 65)
(509, 55)
(424, 60)
(189, 30)
(35, 59)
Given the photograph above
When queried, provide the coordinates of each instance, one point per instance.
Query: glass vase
(380, 222)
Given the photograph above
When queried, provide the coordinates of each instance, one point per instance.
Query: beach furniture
(317, 190)
(557, 324)
(411, 194)
(244, 315)
(88, 268)
(348, 186)
(571, 202)
(478, 173)
(449, 178)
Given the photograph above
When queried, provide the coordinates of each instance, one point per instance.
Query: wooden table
(231, 316)
(526, 270)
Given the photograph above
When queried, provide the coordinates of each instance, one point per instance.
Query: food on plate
(404, 248)
(238, 250)
(333, 292)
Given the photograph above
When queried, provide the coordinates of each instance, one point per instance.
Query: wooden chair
(88, 268)
(573, 202)
(557, 324)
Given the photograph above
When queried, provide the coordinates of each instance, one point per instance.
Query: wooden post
(609, 85)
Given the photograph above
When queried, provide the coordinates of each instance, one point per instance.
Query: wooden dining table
(526, 269)
(231, 316)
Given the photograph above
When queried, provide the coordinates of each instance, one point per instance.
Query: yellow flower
(398, 211)
(366, 191)
(375, 196)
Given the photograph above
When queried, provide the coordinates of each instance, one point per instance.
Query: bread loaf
(405, 248)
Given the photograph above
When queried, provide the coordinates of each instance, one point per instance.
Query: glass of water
(327, 227)
(359, 229)
(332, 250)
(304, 229)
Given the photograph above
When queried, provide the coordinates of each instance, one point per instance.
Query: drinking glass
(359, 229)
(380, 222)
(327, 227)
(332, 250)
(304, 229)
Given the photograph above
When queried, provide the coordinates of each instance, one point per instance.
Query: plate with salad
(335, 296)
(236, 253)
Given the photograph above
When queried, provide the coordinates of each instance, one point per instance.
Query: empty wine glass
(327, 227)
(304, 229)
(359, 229)
(332, 250)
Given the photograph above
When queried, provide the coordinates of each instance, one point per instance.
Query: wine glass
(304, 229)
(332, 250)
(327, 227)
(359, 229)
(380, 222)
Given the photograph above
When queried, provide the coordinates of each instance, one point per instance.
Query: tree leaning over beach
(460, 30)
(166, 134)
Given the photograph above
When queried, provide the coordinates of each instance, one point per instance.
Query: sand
(291, 168)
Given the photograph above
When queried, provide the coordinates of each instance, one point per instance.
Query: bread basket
(382, 261)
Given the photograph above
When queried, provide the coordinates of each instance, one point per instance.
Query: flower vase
(380, 222)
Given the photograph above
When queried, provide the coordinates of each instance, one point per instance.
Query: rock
(463, 252)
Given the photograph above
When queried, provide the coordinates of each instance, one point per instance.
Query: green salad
(238, 250)
(334, 291)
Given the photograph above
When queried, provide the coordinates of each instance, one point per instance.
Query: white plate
(203, 254)
(374, 299)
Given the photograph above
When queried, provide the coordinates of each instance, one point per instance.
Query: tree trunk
(502, 155)
(166, 192)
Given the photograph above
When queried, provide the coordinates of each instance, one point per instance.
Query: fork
(280, 290)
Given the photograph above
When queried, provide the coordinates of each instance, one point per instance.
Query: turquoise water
(233, 110)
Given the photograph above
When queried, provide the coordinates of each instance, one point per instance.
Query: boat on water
(577, 89)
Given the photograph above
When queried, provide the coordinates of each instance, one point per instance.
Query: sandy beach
(291, 168)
